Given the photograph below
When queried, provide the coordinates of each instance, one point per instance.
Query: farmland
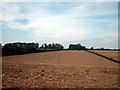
(59, 69)
(107, 53)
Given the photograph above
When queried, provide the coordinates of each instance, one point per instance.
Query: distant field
(80, 58)
(68, 69)
(108, 53)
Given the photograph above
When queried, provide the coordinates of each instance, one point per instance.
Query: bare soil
(59, 69)
(108, 53)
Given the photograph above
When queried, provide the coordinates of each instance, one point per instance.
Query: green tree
(91, 48)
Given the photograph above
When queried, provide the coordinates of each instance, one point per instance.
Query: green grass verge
(103, 56)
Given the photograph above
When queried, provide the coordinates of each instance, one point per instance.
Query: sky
(93, 24)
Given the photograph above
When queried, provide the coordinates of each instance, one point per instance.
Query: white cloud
(92, 9)
(73, 25)
(60, 0)
(11, 12)
(16, 25)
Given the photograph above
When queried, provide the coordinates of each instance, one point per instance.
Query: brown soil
(60, 69)
(110, 54)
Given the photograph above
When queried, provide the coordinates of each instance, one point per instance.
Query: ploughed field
(59, 69)
(108, 53)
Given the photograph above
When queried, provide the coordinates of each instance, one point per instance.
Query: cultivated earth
(111, 54)
(59, 69)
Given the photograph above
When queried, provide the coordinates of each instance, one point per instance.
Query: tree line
(19, 48)
(24, 48)
(54, 46)
(76, 47)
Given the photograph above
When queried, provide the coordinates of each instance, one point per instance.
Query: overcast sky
(93, 24)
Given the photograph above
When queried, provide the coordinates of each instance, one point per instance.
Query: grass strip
(104, 56)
